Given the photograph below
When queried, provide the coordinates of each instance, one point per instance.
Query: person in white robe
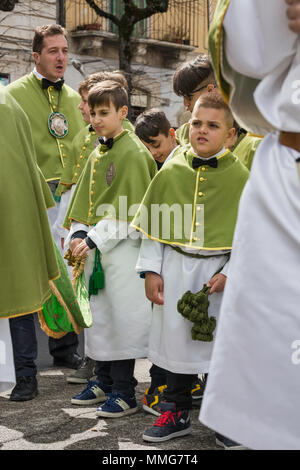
(252, 394)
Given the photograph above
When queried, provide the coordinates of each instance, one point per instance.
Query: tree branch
(103, 13)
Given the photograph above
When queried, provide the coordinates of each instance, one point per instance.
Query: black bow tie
(109, 142)
(57, 85)
(203, 161)
(91, 128)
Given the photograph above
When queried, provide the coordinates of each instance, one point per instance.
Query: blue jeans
(118, 374)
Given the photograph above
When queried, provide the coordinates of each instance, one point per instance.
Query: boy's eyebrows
(210, 121)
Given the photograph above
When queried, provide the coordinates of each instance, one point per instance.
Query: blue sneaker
(95, 392)
(169, 425)
(117, 405)
(228, 444)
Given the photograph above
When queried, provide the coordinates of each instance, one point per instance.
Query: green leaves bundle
(194, 307)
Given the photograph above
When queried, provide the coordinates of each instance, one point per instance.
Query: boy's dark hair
(43, 31)
(151, 123)
(214, 100)
(107, 92)
(190, 75)
(98, 77)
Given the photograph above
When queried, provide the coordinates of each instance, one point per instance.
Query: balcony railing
(185, 22)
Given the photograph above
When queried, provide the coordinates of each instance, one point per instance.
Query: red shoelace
(165, 418)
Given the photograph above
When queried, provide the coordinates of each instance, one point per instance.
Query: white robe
(252, 393)
(170, 344)
(7, 369)
(121, 311)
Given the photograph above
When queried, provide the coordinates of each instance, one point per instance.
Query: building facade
(160, 43)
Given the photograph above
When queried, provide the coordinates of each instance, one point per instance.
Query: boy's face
(209, 131)
(106, 120)
(190, 100)
(53, 59)
(84, 107)
(161, 145)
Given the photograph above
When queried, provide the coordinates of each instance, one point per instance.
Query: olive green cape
(246, 149)
(52, 153)
(28, 258)
(82, 146)
(124, 171)
(212, 195)
(182, 134)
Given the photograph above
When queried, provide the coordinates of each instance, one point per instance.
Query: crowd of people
(187, 239)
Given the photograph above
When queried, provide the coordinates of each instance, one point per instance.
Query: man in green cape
(55, 120)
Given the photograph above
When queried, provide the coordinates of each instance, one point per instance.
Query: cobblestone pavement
(50, 422)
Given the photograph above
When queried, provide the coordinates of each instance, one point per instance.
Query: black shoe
(72, 361)
(25, 389)
(228, 444)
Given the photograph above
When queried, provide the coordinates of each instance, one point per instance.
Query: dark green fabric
(54, 311)
(28, 258)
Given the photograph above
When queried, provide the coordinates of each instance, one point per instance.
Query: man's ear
(36, 57)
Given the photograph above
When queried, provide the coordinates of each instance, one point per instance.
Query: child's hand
(293, 14)
(80, 248)
(154, 287)
(74, 243)
(217, 283)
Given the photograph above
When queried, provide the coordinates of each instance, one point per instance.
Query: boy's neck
(217, 154)
(115, 134)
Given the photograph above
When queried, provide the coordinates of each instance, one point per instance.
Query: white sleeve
(150, 256)
(63, 207)
(108, 233)
(225, 268)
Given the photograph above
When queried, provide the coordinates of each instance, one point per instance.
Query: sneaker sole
(107, 414)
(182, 433)
(75, 401)
(151, 410)
(237, 447)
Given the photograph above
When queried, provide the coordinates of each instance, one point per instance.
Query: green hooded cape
(52, 153)
(193, 208)
(28, 258)
(124, 171)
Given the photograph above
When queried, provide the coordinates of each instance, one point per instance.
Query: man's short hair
(43, 31)
(151, 123)
(190, 75)
(98, 77)
(107, 92)
(214, 100)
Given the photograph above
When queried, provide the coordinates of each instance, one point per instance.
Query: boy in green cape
(82, 146)
(106, 197)
(188, 216)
